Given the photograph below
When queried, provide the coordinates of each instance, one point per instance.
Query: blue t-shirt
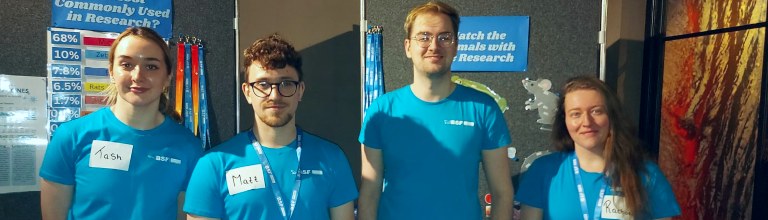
(549, 184)
(431, 151)
(326, 180)
(159, 164)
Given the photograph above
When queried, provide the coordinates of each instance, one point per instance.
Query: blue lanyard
(203, 101)
(187, 115)
(275, 187)
(582, 197)
(369, 68)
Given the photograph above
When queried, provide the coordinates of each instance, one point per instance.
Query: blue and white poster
(492, 44)
(114, 15)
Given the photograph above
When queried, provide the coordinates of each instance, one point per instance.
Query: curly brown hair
(272, 53)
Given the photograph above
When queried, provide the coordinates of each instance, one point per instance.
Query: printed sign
(111, 16)
(492, 44)
(23, 132)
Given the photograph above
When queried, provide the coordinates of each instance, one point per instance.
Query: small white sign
(615, 208)
(110, 155)
(245, 178)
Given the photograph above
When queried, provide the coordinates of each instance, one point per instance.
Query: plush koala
(544, 101)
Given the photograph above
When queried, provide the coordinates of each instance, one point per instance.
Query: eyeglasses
(285, 88)
(424, 40)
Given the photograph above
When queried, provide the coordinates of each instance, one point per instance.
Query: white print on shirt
(110, 155)
(307, 172)
(164, 159)
(245, 178)
(615, 208)
(459, 123)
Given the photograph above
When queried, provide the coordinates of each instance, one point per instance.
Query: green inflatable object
(482, 88)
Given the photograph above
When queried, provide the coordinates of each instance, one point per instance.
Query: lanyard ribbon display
(582, 196)
(191, 100)
(275, 186)
(374, 69)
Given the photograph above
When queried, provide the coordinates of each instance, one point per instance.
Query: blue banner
(113, 16)
(492, 44)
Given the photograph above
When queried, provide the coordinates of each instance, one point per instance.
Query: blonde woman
(130, 160)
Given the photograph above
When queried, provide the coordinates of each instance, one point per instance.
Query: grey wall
(624, 62)
(23, 43)
(563, 43)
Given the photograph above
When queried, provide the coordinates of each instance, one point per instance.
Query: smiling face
(274, 110)
(586, 119)
(432, 60)
(139, 72)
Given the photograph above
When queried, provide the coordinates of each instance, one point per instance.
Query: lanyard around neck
(582, 196)
(276, 190)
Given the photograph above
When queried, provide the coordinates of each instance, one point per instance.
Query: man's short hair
(432, 7)
(272, 53)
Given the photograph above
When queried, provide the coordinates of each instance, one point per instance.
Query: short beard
(438, 75)
(275, 121)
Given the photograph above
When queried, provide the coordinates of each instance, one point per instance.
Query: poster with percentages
(77, 73)
(23, 134)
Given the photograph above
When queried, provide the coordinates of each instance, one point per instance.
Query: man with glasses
(275, 170)
(422, 144)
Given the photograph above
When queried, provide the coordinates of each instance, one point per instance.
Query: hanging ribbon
(204, 133)
(378, 77)
(178, 94)
(188, 121)
(368, 70)
(195, 88)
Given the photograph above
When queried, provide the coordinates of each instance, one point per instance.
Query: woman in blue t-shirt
(600, 171)
(130, 160)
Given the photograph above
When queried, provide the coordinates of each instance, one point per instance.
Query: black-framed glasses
(285, 88)
(424, 40)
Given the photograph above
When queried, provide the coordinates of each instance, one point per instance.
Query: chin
(276, 121)
(137, 101)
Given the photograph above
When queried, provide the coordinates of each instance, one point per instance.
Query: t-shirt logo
(110, 155)
(164, 159)
(245, 178)
(308, 172)
(615, 208)
(459, 123)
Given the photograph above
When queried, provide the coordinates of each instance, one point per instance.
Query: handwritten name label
(245, 178)
(110, 155)
(615, 208)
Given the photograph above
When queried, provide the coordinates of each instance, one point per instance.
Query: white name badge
(110, 155)
(615, 208)
(245, 178)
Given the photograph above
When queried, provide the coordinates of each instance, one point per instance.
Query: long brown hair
(625, 157)
(165, 106)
